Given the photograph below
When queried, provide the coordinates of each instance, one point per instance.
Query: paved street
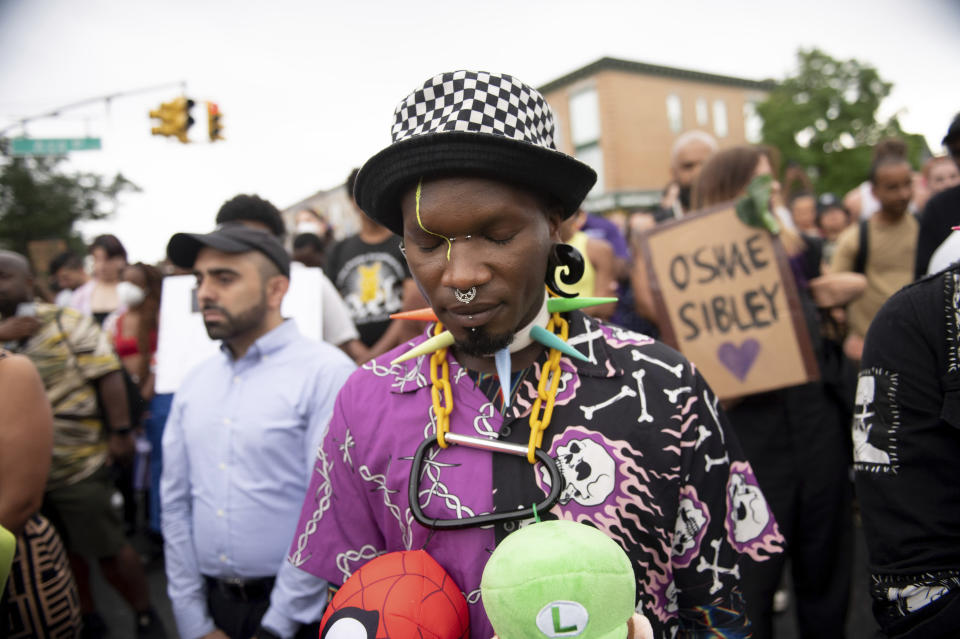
(114, 609)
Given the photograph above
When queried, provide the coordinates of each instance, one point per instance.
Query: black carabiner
(494, 446)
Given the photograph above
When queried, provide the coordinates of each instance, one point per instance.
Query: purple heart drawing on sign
(739, 359)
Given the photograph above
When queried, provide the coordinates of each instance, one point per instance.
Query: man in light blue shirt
(240, 444)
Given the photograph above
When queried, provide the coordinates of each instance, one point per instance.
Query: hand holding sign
(727, 300)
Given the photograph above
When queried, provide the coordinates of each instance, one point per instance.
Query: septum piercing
(465, 297)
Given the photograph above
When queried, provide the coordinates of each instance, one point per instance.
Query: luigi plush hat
(471, 123)
(559, 579)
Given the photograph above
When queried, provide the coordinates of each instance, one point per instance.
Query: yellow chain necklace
(547, 386)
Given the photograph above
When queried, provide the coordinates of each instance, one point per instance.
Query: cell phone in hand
(26, 309)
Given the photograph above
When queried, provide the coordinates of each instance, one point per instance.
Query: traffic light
(174, 118)
(213, 121)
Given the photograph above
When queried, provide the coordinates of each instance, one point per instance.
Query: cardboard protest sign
(726, 299)
(182, 340)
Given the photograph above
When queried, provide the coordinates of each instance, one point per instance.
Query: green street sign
(52, 146)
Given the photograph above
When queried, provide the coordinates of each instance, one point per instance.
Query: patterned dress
(41, 598)
(645, 452)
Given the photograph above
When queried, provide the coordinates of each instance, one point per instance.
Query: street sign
(52, 146)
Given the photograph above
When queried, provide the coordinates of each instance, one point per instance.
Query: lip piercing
(465, 297)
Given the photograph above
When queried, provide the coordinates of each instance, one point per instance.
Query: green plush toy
(559, 579)
(8, 545)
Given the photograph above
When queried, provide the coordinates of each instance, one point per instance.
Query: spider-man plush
(400, 595)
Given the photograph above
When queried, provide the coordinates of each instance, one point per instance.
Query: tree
(824, 118)
(38, 201)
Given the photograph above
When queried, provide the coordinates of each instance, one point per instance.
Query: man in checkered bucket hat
(513, 404)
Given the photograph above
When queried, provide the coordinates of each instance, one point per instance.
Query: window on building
(752, 123)
(592, 156)
(703, 113)
(720, 118)
(585, 132)
(675, 112)
(584, 118)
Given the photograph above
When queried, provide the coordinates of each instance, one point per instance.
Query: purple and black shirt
(646, 453)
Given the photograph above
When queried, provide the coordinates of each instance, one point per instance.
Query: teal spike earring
(550, 340)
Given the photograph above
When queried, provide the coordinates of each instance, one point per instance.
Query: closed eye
(427, 248)
(500, 240)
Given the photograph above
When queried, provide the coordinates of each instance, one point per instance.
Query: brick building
(622, 118)
(334, 204)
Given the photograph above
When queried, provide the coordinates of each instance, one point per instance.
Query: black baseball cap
(828, 201)
(229, 238)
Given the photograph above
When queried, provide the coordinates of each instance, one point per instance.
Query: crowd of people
(282, 464)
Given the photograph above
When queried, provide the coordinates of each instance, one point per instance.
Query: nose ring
(465, 297)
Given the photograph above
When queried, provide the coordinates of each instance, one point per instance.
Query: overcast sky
(307, 89)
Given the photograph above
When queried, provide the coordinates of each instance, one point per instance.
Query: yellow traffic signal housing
(213, 122)
(174, 119)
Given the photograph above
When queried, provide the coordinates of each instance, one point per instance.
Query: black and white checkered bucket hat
(470, 123)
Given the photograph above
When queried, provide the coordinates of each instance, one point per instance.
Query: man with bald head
(688, 154)
(77, 364)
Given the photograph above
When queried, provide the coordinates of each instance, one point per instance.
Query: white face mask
(309, 227)
(129, 294)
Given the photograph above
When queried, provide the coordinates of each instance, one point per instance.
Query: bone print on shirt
(644, 453)
(638, 438)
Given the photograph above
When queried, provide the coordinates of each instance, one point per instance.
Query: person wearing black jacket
(906, 435)
(942, 212)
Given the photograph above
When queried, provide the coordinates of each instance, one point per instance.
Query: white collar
(521, 338)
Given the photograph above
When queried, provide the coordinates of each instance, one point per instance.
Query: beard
(233, 325)
(480, 343)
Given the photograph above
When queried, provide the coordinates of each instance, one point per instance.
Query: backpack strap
(863, 249)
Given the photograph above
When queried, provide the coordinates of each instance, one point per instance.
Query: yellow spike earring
(435, 343)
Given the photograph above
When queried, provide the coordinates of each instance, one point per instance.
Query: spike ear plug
(564, 304)
(550, 340)
(435, 343)
(423, 314)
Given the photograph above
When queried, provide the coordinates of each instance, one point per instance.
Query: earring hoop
(465, 297)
